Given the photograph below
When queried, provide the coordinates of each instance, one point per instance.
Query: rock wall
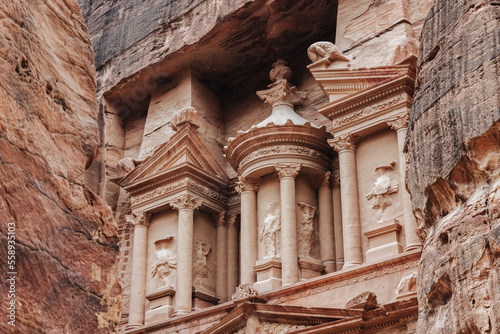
(66, 279)
(453, 170)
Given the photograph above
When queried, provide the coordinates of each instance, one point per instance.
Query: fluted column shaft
(351, 223)
(140, 221)
(232, 254)
(326, 227)
(185, 204)
(221, 272)
(289, 254)
(400, 124)
(248, 233)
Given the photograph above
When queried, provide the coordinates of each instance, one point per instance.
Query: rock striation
(66, 236)
(453, 145)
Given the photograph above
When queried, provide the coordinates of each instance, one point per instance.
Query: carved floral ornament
(344, 142)
(186, 202)
(232, 220)
(247, 184)
(139, 218)
(220, 219)
(287, 170)
(401, 122)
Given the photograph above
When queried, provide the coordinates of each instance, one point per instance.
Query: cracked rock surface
(454, 164)
(66, 235)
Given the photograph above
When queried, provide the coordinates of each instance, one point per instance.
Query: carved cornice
(344, 142)
(247, 184)
(232, 219)
(185, 202)
(220, 219)
(399, 123)
(287, 170)
(139, 218)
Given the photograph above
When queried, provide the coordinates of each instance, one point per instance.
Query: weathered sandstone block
(66, 278)
(454, 152)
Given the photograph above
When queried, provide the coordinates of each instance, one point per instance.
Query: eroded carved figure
(383, 187)
(255, 326)
(244, 291)
(163, 270)
(305, 234)
(408, 284)
(201, 270)
(270, 232)
(322, 50)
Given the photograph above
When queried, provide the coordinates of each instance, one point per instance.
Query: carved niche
(306, 236)
(201, 271)
(270, 233)
(165, 265)
(383, 187)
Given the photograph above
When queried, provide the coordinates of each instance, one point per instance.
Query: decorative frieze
(283, 149)
(367, 111)
(185, 202)
(287, 170)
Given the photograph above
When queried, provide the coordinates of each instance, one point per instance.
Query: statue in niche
(305, 234)
(166, 263)
(383, 187)
(200, 264)
(270, 232)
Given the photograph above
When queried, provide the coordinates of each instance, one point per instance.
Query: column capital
(323, 181)
(139, 218)
(232, 220)
(344, 142)
(336, 179)
(185, 202)
(247, 184)
(399, 122)
(220, 219)
(287, 170)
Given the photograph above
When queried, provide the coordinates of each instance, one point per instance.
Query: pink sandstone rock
(66, 235)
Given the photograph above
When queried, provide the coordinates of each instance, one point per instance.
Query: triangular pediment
(184, 149)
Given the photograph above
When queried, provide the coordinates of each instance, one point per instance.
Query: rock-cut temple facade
(255, 155)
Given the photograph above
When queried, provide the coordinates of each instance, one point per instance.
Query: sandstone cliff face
(453, 172)
(66, 237)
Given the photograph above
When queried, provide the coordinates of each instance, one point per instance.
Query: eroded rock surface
(66, 235)
(453, 172)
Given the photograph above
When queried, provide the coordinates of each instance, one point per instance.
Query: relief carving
(164, 268)
(383, 188)
(325, 50)
(287, 170)
(307, 152)
(365, 301)
(305, 234)
(244, 291)
(407, 285)
(201, 270)
(344, 142)
(270, 234)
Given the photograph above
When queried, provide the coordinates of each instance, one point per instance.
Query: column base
(351, 264)
(383, 240)
(132, 326)
(160, 305)
(413, 247)
(268, 275)
(310, 267)
(203, 298)
(340, 264)
(330, 266)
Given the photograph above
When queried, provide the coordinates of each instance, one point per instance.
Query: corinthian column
(400, 124)
(185, 204)
(289, 256)
(232, 253)
(221, 272)
(248, 187)
(326, 229)
(351, 223)
(140, 220)
(337, 221)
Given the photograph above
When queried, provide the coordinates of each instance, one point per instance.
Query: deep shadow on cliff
(65, 235)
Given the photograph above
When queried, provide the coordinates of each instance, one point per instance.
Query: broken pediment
(184, 150)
